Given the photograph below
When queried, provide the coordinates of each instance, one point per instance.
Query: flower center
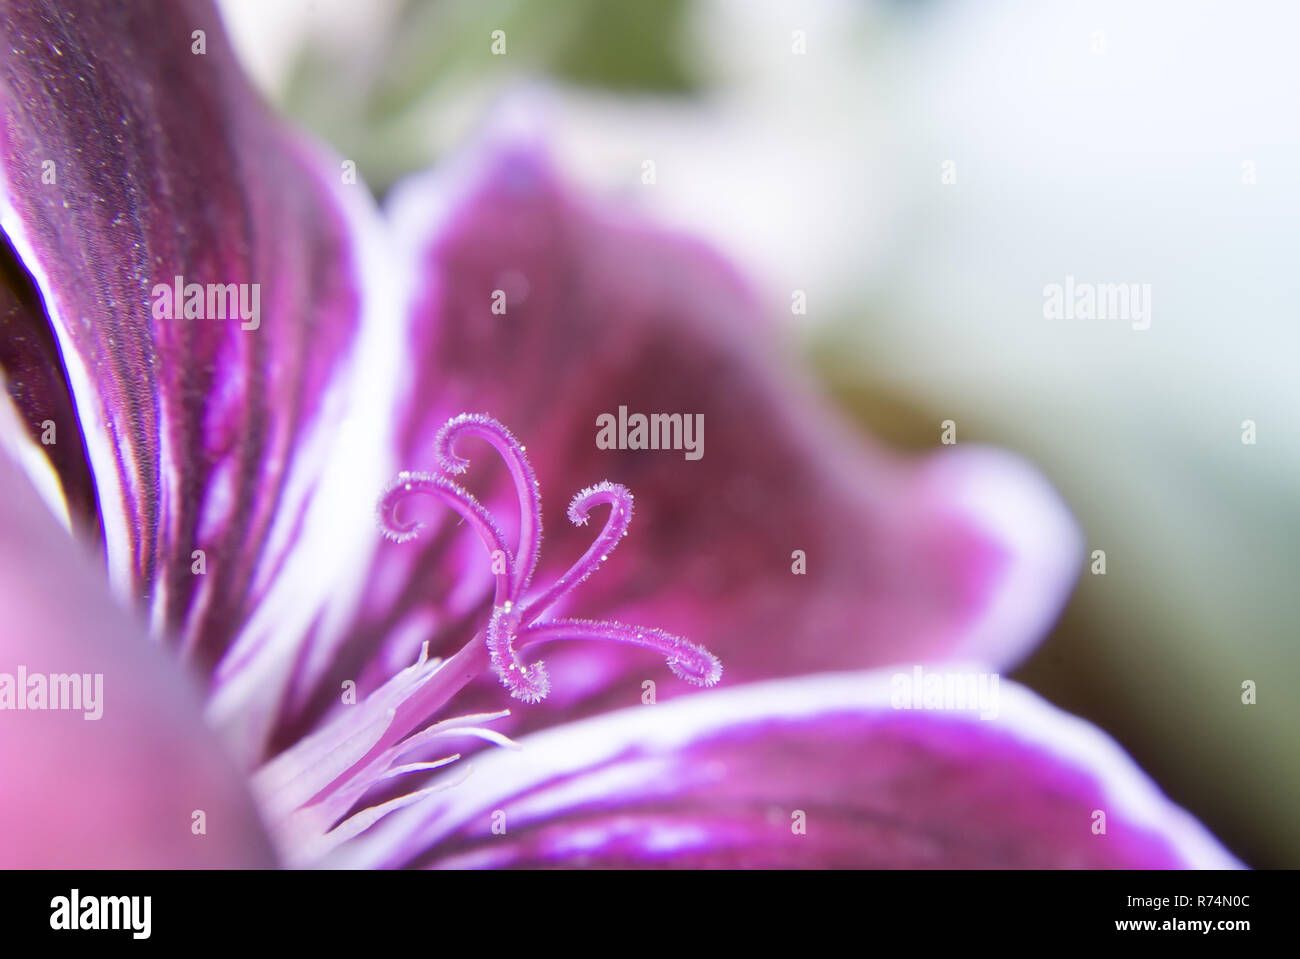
(321, 792)
(516, 621)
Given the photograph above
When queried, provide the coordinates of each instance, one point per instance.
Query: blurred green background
(1113, 142)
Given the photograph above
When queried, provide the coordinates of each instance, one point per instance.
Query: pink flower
(224, 468)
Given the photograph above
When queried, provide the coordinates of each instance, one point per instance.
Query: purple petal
(720, 779)
(965, 553)
(38, 387)
(120, 790)
(131, 158)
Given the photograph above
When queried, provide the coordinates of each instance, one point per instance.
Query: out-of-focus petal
(820, 771)
(546, 313)
(122, 790)
(134, 152)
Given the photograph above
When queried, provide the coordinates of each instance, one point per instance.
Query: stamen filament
(619, 500)
(688, 661)
(521, 472)
(529, 684)
(460, 500)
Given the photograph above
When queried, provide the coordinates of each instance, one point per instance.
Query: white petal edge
(671, 727)
(1013, 504)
